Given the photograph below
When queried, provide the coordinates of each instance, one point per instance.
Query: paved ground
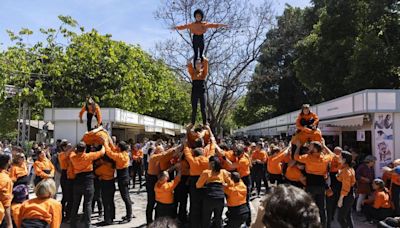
(139, 209)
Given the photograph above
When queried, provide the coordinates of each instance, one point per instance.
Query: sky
(131, 21)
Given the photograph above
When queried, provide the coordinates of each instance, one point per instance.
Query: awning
(353, 121)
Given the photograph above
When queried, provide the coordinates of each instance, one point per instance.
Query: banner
(384, 145)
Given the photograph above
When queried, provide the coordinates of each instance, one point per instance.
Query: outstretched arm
(182, 27)
(215, 25)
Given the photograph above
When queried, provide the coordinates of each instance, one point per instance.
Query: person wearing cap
(365, 174)
(378, 207)
(20, 194)
(92, 109)
(43, 167)
(82, 164)
(43, 211)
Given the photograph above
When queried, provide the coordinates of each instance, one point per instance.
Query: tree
(231, 51)
(71, 63)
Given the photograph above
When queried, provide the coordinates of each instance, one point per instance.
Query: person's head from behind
(163, 177)
(305, 109)
(198, 15)
(164, 222)
(198, 152)
(315, 148)
(214, 164)
(347, 159)
(289, 207)
(45, 189)
(275, 150)
(378, 184)
(199, 143)
(259, 146)
(123, 146)
(238, 150)
(81, 147)
(20, 193)
(18, 159)
(235, 176)
(370, 161)
(4, 161)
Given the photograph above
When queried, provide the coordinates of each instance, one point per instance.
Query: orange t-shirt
(40, 166)
(382, 199)
(307, 117)
(316, 165)
(165, 191)
(6, 187)
(243, 165)
(395, 178)
(207, 176)
(83, 162)
(121, 158)
(48, 210)
(293, 173)
(15, 209)
(90, 110)
(137, 155)
(348, 178)
(259, 155)
(17, 171)
(275, 162)
(197, 164)
(195, 74)
(155, 160)
(198, 28)
(105, 171)
(236, 194)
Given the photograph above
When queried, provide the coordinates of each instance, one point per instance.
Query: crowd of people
(190, 181)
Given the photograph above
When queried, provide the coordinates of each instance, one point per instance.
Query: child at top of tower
(307, 119)
(198, 28)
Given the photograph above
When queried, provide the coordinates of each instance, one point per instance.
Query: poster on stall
(384, 145)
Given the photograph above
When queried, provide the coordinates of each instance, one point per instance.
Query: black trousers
(196, 203)
(137, 170)
(318, 194)
(396, 198)
(97, 196)
(247, 181)
(83, 186)
(380, 214)
(331, 202)
(344, 213)
(275, 178)
(34, 223)
(108, 191)
(181, 197)
(89, 117)
(258, 174)
(198, 47)
(165, 210)
(198, 94)
(151, 181)
(212, 207)
(123, 186)
(67, 188)
(237, 216)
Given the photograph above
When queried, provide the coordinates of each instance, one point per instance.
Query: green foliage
(333, 48)
(68, 65)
